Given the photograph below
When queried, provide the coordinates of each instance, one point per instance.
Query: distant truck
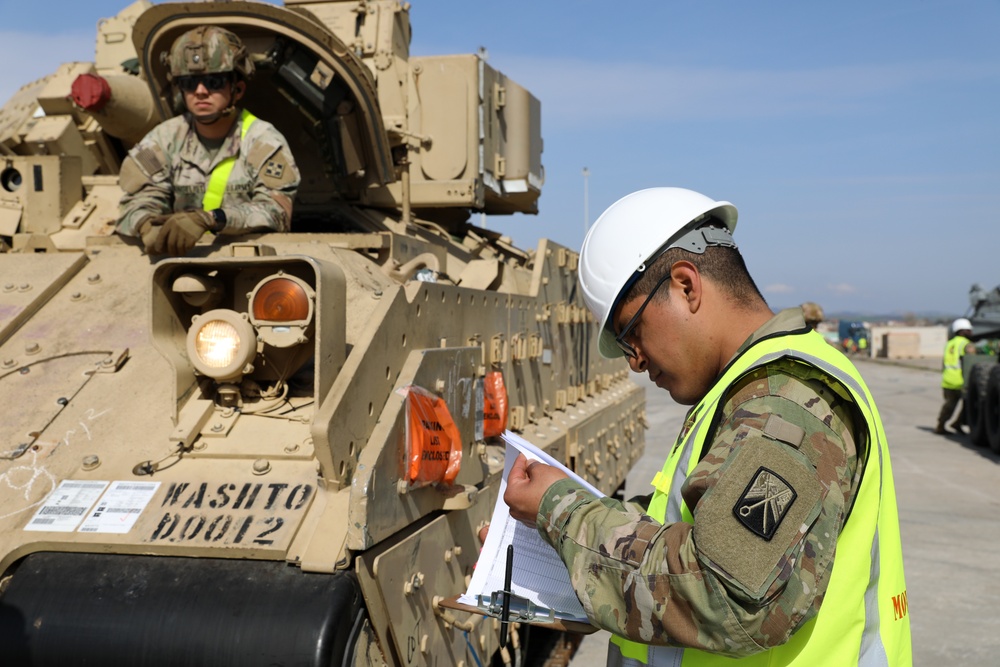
(982, 372)
(854, 336)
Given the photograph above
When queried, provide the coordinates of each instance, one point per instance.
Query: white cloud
(779, 288)
(842, 288)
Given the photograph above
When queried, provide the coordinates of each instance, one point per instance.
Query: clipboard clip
(520, 610)
(510, 608)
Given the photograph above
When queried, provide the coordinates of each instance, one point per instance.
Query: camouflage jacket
(609, 546)
(169, 169)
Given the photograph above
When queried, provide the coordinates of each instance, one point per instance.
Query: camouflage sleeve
(146, 183)
(275, 177)
(716, 585)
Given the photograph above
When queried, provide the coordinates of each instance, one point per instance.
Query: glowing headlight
(221, 343)
(217, 343)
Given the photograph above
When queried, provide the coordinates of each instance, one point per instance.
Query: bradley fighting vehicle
(287, 503)
(982, 372)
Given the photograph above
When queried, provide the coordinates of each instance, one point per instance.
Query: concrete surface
(948, 493)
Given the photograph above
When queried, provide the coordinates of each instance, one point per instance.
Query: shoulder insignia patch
(764, 503)
(274, 169)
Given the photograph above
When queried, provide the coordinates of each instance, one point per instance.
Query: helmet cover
(209, 50)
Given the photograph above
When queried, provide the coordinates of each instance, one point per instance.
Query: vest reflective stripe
(863, 620)
(219, 177)
(951, 375)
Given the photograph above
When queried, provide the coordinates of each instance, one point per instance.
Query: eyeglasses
(626, 331)
(213, 82)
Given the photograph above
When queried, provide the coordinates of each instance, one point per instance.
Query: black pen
(505, 609)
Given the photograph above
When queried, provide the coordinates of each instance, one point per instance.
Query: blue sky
(859, 140)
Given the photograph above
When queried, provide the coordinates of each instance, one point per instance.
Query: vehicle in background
(981, 370)
(854, 336)
(279, 449)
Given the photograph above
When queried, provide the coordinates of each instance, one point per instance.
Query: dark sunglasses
(623, 344)
(213, 82)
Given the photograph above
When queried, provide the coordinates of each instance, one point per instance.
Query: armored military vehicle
(283, 503)
(982, 372)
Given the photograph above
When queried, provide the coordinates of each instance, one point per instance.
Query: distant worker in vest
(756, 545)
(215, 168)
(812, 314)
(952, 380)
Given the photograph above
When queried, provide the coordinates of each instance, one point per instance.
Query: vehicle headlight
(221, 344)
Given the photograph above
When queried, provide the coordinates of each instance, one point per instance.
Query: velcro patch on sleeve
(131, 178)
(150, 159)
(777, 428)
(756, 516)
(259, 153)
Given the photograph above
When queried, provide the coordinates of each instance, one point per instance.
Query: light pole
(586, 211)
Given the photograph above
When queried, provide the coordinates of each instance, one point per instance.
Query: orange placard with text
(494, 405)
(433, 443)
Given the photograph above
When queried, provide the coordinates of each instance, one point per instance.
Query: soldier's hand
(527, 482)
(181, 231)
(148, 230)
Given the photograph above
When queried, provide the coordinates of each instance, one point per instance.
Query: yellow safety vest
(219, 178)
(951, 374)
(863, 619)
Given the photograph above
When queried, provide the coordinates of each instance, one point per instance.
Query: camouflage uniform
(651, 582)
(168, 171)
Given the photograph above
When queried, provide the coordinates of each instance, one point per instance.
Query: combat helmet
(208, 50)
(631, 233)
(812, 313)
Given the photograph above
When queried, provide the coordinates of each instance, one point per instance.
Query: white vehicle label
(66, 507)
(119, 508)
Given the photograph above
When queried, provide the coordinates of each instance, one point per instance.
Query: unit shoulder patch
(752, 522)
(275, 168)
(764, 503)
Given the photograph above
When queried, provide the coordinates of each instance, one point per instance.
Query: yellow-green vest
(864, 618)
(951, 375)
(219, 178)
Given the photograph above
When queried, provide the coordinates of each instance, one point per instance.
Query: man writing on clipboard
(772, 535)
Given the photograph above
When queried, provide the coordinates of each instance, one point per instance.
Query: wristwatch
(220, 220)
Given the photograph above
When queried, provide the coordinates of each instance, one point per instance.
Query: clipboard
(531, 614)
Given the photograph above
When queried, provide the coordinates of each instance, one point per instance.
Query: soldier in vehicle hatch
(214, 168)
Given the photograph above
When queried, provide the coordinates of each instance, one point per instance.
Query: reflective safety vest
(219, 178)
(951, 374)
(863, 619)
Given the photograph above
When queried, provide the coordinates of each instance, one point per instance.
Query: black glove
(181, 231)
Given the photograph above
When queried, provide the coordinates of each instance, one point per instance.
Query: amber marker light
(221, 344)
(281, 299)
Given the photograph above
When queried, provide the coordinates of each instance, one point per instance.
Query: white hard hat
(635, 229)
(961, 324)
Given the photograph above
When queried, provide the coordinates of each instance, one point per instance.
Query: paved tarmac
(948, 493)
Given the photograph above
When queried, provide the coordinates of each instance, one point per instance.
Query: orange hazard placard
(433, 443)
(494, 405)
